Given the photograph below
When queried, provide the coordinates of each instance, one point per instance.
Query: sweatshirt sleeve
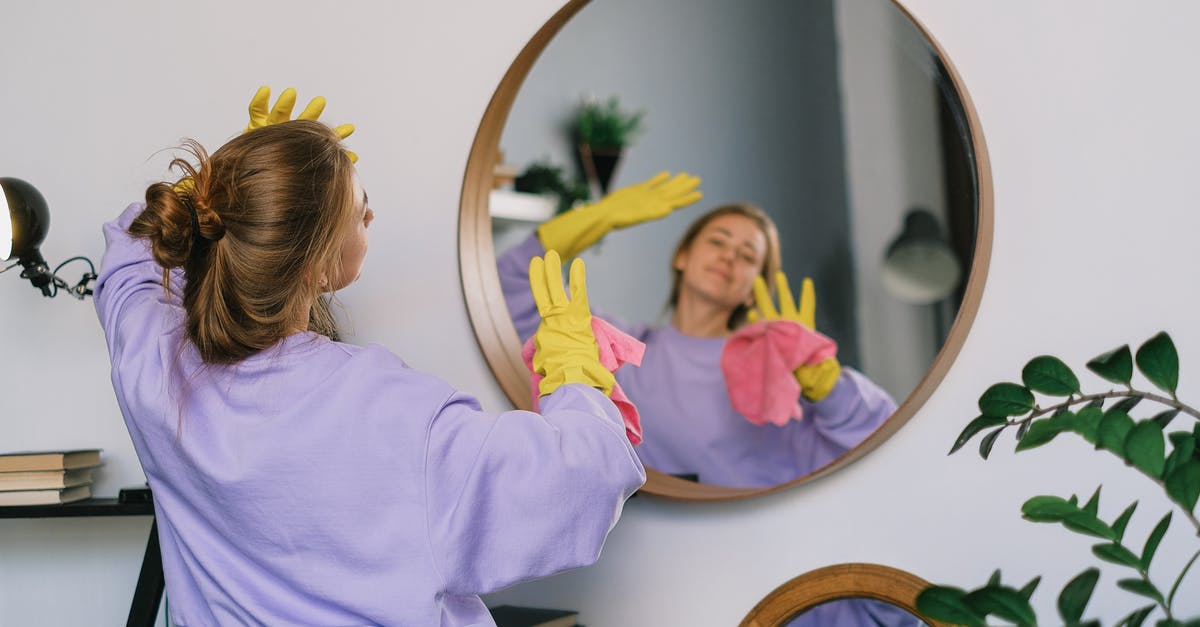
(129, 295)
(522, 495)
(852, 411)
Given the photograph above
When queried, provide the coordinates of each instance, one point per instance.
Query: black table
(148, 593)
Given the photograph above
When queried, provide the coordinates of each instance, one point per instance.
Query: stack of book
(46, 477)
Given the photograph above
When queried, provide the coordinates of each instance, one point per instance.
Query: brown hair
(270, 209)
(771, 260)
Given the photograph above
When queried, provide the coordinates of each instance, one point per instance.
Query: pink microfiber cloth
(758, 361)
(616, 348)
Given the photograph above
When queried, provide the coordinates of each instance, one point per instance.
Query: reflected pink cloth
(616, 348)
(758, 361)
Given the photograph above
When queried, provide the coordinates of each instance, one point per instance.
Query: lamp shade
(28, 223)
(919, 267)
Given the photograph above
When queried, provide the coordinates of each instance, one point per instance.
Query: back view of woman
(300, 480)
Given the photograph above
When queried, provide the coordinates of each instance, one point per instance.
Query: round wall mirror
(844, 594)
(842, 120)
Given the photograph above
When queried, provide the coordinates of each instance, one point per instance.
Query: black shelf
(86, 507)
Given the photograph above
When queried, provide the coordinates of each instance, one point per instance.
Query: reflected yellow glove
(565, 348)
(816, 381)
(577, 229)
(261, 115)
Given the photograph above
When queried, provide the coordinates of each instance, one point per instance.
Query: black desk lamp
(21, 236)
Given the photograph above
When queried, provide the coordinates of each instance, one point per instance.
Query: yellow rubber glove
(574, 231)
(565, 348)
(816, 381)
(261, 115)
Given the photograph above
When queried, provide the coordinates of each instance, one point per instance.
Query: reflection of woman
(299, 480)
(690, 426)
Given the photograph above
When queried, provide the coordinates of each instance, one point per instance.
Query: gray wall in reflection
(745, 95)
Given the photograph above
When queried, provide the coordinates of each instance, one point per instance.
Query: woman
(299, 480)
(689, 424)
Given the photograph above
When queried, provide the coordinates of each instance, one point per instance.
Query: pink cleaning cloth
(616, 348)
(758, 361)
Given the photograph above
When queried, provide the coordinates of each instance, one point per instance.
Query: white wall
(1091, 131)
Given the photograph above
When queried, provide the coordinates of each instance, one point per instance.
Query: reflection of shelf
(520, 207)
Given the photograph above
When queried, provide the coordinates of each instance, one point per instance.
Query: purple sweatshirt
(320, 483)
(689, 425)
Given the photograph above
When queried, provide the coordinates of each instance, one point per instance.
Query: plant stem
(1087, 398)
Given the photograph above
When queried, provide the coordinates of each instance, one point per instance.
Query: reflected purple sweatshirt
(320, 483)
(689, 425)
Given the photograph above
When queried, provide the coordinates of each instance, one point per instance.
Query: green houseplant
(1170, 459)
(602, 131)
(543, 177)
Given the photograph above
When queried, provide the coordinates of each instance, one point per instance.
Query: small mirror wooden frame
(839, 581)
(497, 336)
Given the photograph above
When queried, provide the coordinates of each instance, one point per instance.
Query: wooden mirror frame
(497, 336)
(839, 581)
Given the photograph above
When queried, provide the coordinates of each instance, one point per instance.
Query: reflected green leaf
(1159, 362)
(988, 441)
(1164, 418)
(1047, 509)
(1076, 594)
(1049, 375)
(1093, 504)
(1137, 617)
(1115, 365)
(1006, 399)
(1028, 589)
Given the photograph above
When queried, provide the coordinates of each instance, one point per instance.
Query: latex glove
(574, 231)
(565, 348)
(816, 381)
(261, 115)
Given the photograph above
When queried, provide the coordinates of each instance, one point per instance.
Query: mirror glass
(839, 119)
(852, 611)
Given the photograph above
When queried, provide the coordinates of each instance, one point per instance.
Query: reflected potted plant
(544, 178)
(1154, 446)
(601, 132)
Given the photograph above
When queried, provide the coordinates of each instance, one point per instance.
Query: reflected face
(354, 248)
(720, 264)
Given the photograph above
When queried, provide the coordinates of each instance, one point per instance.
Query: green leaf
(1087, 423)
(1158, 360)
(1093, 504)
(1164, 418)
(1126, 404)
(1026, 591)
(1137, 617)
(1006, 399)
(1096, 403)
(946, 604)
(994, 580)
(1116, 553)
(975, 426)
(1115, 365)
(1183, 447)
(1022, 429)
(1042, 431)
(1076, 594)
(1049, 375)
(1142, 587)
(988, 441)
(1120, 523)
(1145, 448)
(1156, 536)
(1047, 509)
(1002, 602)
(1183, 484)
(1114, 428)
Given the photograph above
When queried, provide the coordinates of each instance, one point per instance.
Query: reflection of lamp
(23, 233)
(919, 266)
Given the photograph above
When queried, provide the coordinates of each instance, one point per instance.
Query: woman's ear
(680, 260)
